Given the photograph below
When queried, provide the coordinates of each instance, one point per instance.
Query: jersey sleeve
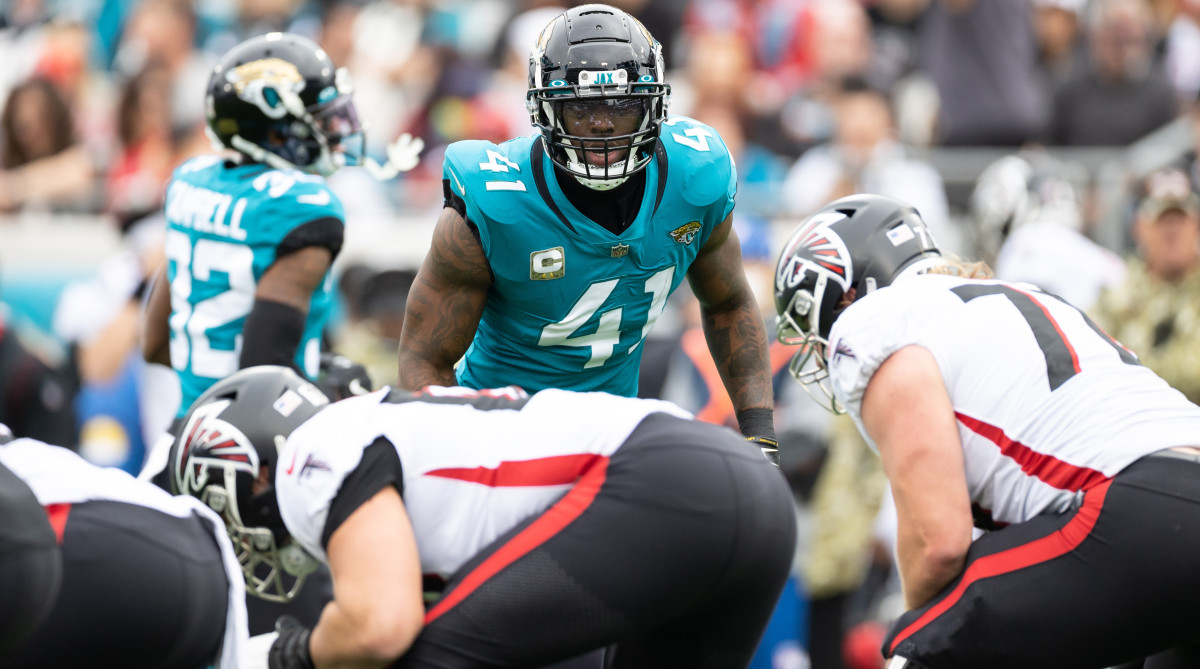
(379, 468)
(488, 182)
(864, 336)
(709, 174)
(298, 210)
(314, 464)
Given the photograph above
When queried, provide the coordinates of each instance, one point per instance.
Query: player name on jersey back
(205, 210)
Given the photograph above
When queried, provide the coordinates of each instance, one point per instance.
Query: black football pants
(676, 550)
(140, 589)
(1112, 581)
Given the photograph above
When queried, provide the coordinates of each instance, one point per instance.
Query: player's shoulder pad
(194, 165)
(486, 175)
(698, 162)
(297, 196)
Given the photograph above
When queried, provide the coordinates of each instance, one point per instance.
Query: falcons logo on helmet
(818, 248)
(209, 440)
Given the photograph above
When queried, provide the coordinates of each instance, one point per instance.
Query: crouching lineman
(147, 580)
(1001, 405)
(559, 523)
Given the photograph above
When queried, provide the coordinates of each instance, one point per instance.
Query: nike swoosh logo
(292, 466)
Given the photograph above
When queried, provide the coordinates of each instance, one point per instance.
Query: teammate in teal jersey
(555, 253)
(251, 233)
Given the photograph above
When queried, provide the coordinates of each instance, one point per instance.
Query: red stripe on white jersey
(57, 515)
(548, 471)
(1047, 468)
(551, 522)
(1035, 552)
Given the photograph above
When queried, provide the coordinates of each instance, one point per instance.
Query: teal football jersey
(224, 225)
(571, 302)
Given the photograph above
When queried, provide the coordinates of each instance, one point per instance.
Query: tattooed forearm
(737, 341)
(733, 325)
(444, 305)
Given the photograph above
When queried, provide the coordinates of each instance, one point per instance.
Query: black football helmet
(279, 99)
(593, 59)
(229, 435)
(853, 245)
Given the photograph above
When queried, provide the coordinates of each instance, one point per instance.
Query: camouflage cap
(1167, 190)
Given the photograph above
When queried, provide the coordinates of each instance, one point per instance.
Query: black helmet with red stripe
(227, 447)
(849, 247)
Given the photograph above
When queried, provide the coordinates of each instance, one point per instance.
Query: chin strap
(402, 155)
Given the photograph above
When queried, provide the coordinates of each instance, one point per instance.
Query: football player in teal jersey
(251, 234)
(555, 253)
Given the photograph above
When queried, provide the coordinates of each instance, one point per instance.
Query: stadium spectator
(41, 163)
(1156, 311)
(162, 34)
(1057, 27)
(864, 156)
(1122, 92)
(148, 580)
(996, 405)
(982, 57)
(599, 537)
(590, 192)
(138, 175)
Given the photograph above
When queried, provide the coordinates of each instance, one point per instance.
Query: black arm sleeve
(327, 232)
(379, 468)
(271, 335)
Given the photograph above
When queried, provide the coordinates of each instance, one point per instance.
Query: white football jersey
(1047, 403)
(59, 476)
(475, 463)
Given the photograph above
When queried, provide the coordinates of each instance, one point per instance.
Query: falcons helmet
(840, 253)
(230, 438)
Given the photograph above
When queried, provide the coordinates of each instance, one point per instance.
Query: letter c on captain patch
(548, 264)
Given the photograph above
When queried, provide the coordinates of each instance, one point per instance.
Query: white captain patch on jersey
(470, 473)
(1063, 408)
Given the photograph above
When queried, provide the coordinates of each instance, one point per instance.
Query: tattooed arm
(733, 325)
(444, 305)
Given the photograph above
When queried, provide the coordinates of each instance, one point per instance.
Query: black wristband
(757, 423)
(290, 649)
(271, 335)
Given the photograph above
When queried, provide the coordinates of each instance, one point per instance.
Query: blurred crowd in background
(1053, 138)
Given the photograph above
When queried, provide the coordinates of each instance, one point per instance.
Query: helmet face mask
(279, 100)
(839, 254)
(596, 92)
(226, 455)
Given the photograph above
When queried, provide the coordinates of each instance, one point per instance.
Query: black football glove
(769, 447)
(290, 650)
(340, 377)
